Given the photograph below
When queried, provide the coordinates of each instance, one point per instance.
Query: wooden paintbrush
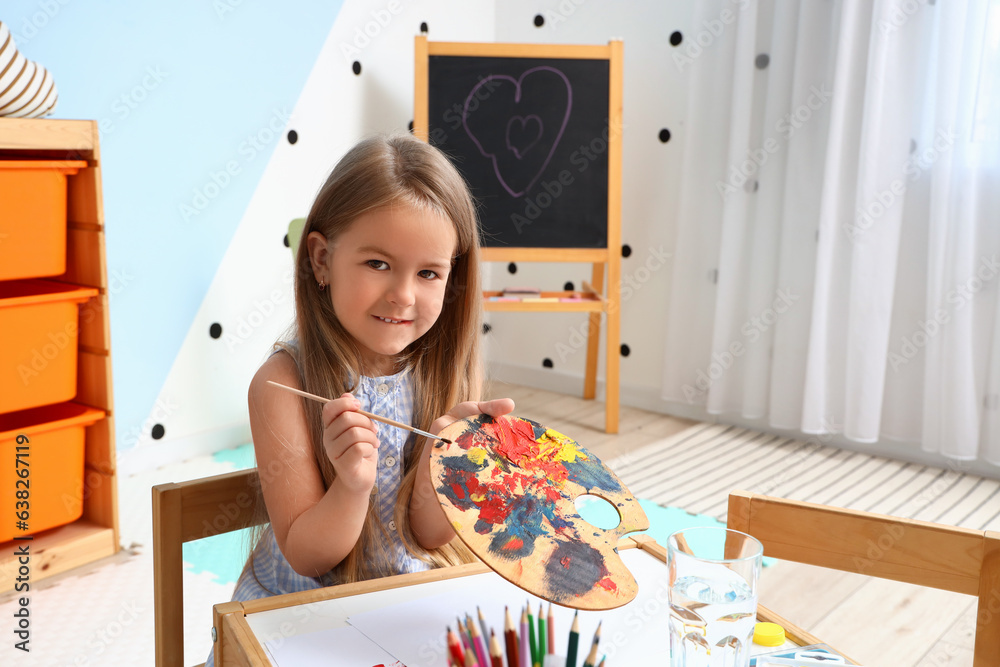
(384, 420)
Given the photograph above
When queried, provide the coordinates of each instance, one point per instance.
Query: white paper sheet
(336, 647)
(414, 632)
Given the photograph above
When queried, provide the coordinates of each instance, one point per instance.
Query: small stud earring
(322, 284)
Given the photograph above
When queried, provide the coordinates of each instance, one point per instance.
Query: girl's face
(387, 273)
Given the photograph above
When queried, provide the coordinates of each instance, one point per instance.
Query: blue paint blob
(591, 476)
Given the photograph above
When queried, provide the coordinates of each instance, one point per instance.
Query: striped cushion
(26, 88)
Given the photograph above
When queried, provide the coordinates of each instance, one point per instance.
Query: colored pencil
(463, 634)
(482, 622)
(478, 642)
(470, 659)
(552, 631)
(574, 641)
(496, 655)
(531, 636)
(524, 651)
(510, 639)
(384, 420)
(455, 648)
(541, 634)
(603, 660)
(591, 660)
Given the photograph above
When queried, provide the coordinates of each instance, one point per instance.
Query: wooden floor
(878, 623)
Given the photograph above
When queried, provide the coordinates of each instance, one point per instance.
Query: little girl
(387, 297)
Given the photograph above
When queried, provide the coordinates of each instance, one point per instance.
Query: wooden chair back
(916, 552)
(184, 512)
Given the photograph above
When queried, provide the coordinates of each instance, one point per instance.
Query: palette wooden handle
(508, 485)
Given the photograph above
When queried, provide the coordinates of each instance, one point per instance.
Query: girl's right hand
(351, 443)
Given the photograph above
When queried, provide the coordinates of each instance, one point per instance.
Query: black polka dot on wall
(158, 431)
(569, 286)
(547, 363)
(625, 350)
(487, 327)
(762, 61)
(626, 250)
(539, 20)
(751, 186)
(423, 26)
(676, 38)
(410, 126)
(215, 330)
(512, 268)
(285, 241)
(664, 135)
(293, 136)
(913, 145)
(356, 67)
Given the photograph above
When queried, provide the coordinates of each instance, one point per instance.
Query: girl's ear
(319, 256)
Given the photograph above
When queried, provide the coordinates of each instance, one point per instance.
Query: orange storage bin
(39, 322)
(54, 456)
(33, 217)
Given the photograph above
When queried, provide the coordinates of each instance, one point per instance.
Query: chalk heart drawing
(508, 485)
(522, 134)
(529, 141)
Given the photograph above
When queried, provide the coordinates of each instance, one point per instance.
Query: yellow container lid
(768, 634)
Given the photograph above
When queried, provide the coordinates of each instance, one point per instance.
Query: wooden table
(238, 644)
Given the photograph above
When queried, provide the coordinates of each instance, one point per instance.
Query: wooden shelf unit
(95, 534)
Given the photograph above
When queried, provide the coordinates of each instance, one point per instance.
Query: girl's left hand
(495, 408)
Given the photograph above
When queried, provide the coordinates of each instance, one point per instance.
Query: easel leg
(593, 337)
(612, 362)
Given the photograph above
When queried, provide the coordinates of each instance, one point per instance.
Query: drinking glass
(713, 596)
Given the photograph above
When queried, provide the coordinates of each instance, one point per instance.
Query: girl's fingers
(494, 408)
(344, 429)
(339, 442)
(337, 407)
(349, 420)
(361, 449)
(497, 407)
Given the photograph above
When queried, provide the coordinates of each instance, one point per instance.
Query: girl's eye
(428, 274)
(378, 264)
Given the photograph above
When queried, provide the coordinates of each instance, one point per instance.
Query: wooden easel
(606, 260)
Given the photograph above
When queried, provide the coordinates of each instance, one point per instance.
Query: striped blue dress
(388, 396)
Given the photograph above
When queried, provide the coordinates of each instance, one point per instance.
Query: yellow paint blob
(477, 455)
(555, 446)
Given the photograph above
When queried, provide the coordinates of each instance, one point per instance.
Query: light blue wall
(181, 89)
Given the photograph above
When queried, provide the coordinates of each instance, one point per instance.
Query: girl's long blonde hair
(445, 362)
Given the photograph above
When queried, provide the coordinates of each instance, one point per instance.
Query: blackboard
(530, 135)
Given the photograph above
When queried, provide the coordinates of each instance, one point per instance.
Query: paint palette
(508, 485)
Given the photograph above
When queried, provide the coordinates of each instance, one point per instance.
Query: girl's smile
(388, 272)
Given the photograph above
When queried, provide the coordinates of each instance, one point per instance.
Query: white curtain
(838, 234)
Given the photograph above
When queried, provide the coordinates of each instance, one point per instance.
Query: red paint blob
(607, 584)
(514, 544)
